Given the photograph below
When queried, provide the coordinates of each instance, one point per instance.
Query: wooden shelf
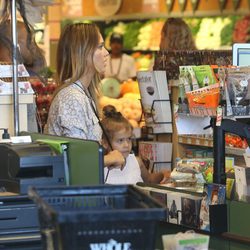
(142, 16)
(207, 142)
(235, 151)
(195, 140)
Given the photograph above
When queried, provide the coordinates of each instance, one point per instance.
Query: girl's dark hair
(113, 121)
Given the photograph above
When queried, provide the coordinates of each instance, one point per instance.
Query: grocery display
(187, 203)
(128, 102)
(44, 92)
(145, 35)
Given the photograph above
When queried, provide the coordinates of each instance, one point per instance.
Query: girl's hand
(166, 176)
(114, 159)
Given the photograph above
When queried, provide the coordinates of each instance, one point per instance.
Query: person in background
(28, 53)
(118, 136)
(120, 65)
(176, 35)
(81, 59)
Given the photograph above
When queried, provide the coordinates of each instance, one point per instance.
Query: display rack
(170, 60)
(150, 129)
(227, 125)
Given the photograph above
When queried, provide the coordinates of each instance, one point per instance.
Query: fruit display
(44, 93)
(150, 35)
(241, 30)
(145, 35)
(208, 37)
(235, 141)
(110, 87)
(137, 35)
(143, 61)
(128, 102)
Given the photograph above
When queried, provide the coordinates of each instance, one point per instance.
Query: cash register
(29, 164)
(23, 165)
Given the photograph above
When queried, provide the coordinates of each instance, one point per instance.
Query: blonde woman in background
(175, 35)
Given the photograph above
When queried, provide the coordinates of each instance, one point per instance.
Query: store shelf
(150, 15)
(196, 141)
(238, 117)
(235, 151)
(208, 142)
(23, 98)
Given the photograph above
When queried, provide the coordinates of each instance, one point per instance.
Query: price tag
(219, 116)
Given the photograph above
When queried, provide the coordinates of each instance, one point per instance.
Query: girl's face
(122, 141)
(100, 57)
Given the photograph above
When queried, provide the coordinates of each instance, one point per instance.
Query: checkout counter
(19, 228)
(38, 164)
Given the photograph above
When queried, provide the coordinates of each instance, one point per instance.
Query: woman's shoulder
(71, 92)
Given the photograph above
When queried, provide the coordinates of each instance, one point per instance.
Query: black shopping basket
(97, 217)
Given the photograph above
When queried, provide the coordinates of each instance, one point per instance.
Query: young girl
(118, 136)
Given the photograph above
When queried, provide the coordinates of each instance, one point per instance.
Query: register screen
(243, 56)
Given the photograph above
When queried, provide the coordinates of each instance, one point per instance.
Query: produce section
(141, 40)
(145, 35)
(44, 92)
(128, 102)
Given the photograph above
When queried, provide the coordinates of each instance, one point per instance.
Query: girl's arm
(152, 177)
(114, 159)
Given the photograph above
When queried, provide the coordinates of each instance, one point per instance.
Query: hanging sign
(107, 7)
(182, 4)
(236, 4)
(222, 4)
(169, 5)
(195, 4)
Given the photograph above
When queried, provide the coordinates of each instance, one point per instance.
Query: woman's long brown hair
(75, 51)
(176, 35)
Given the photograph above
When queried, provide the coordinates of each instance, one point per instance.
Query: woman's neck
(86, 80)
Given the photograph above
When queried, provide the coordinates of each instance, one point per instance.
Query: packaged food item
(187, 240)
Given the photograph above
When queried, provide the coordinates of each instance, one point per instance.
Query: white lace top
(72, 115)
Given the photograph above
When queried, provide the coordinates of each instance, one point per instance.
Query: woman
(176, 35)
(81, 60)
(29, 53)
